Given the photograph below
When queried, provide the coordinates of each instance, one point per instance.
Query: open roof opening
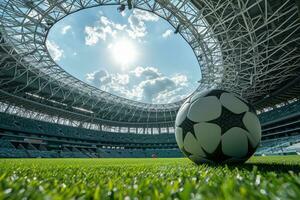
(133, 54)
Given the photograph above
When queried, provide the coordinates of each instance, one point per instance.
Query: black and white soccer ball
(216, 126)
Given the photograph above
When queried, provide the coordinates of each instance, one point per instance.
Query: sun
(123, 52)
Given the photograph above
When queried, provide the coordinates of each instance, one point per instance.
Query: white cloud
(55, 51)
(145, 15)
(96, 33)
(92, 35)
(167, 33)
(104, 29)
(180, 79)
(123, 14)
(66, 29)
(104, 20)
(171, 95)
(122, 79)
(136, 27)
(154, 87)
(146, 72)
(142, 84)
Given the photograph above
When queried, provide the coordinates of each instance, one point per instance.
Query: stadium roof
(247, 47)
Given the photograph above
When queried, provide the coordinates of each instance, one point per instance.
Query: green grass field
(260, 178)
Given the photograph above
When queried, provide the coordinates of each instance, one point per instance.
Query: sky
(133, 54)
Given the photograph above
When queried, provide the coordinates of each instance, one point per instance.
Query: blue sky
(134, 54)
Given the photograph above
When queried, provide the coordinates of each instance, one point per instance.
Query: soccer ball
(216, 126)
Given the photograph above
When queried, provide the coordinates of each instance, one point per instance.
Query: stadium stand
(280, 130)
(23, 137)
(280, 146)
(280, 113)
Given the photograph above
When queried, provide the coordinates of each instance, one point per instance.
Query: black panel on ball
(251, 149)
(185, 152)
(228, 120)
(187, 126)
(217, 156)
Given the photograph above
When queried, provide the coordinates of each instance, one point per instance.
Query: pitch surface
(260, 178)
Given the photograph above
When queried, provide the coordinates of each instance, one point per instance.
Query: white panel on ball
(235, 142)
(233, 104)
(205, 109)
(192, 145)
(198, 95)
(187, 100)
(208, 135)
(253, 140)
(178, 137)
(252, 124)
(182, 113)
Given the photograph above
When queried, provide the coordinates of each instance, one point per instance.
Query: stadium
(250, 48)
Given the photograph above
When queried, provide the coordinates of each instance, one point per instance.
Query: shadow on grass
(268, 167)
(262, 167)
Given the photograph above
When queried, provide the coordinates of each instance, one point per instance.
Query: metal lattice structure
(260, 46)
(250, 47)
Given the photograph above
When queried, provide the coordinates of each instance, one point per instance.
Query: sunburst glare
(123, 52)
